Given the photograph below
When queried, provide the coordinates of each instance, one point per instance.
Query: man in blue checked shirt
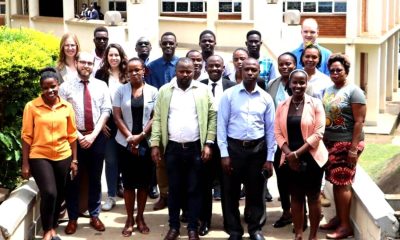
(245, 133)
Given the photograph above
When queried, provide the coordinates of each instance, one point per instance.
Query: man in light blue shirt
(309, 33)
(162, 70)
(245, 133)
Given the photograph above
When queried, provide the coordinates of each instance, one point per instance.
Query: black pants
(50, 177)
(283, 177)
(211, 171)
(247, 165)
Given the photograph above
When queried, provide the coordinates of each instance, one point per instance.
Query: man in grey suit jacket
(216, 84)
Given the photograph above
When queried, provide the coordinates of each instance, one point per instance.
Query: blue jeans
(184, 166)
(112, 166)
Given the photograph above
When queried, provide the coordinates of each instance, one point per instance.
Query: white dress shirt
(219, 90)
(183, 123)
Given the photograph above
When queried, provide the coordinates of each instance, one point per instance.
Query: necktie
(213, 88)
(87, 106)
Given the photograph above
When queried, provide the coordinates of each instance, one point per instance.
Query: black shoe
(268, 196)
(257, 236)
(120, 191)
(204, 228)
(235, 237)
(282, 222)
(153, 192)
(217, 193)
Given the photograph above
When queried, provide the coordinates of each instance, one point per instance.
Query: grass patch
(375, 158)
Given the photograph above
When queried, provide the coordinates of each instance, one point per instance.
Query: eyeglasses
(336, 70)
(99, 39)
(70, 45)
(90, 64)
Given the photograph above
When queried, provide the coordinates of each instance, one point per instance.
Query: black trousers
(247, 165)
(50, 177)
(210, 172)
(283, 177)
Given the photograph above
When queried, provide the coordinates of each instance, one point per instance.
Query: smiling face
(309, 31)
(84, 65)
(168, 45)
(298, 84)
(286, 65)
(215, 67)
(70, 47)
(310, 58)
(113, 58)
(207, 43)
(238, 58)
(197, 60)
(49, 90)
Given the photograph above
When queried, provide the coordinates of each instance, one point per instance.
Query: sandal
(340, 233)
(128, 230)
(141, 226)
(331, 225)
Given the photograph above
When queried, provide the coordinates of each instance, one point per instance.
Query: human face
(49, 90)
(337, 73)
(215, 67)
(197, 60)
(238, 57)
(143, 48)
(253, 44)
(285, 65)
(207, 43)
(70, 47)
(84, 65)
(113, 58)
(298, 84)
(251, 70)
(309, 32)
(168, 45)
(100, 41)
(184, 74)
(135, 72)
(310, 58)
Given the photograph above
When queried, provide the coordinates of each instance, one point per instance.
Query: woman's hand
(293, 161)
(74, 169)
(25, 171)
(352, 157)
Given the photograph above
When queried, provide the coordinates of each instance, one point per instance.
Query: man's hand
(74, 169)
(87, 141)
(226, 164)
(106, 130)
(268, 168)
(155, 155)
(206, 154)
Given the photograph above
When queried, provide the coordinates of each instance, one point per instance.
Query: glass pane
(182, 7)
(121, 6)
(237, 7)
(2, 9)
(325, 7)
(111, 6)
(168, 7)
(294, 6)
(196, 6)
(340, 6)
(225, 7)
(284, 5)
(309, 7)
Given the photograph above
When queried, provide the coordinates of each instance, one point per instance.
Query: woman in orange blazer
(299, 128)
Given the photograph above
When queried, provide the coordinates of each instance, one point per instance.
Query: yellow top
(49, 131)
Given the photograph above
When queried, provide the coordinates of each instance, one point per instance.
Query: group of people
(91, 12)
(192, 122)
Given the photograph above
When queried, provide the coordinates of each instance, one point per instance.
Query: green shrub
(23, 52)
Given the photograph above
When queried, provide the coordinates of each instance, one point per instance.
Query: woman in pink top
(303, 152)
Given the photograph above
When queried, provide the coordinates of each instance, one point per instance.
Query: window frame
(232, 7)
(189, 2)
(317, 6)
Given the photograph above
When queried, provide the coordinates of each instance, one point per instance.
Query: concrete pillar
(68, 12)
(375, 18)
(382, 78)
(373, 86)
(352, 18)
(350, 50)
(246, 10)
(212, 14)
(390, 68)
(142, 20)
(33, 11)
(396, 62)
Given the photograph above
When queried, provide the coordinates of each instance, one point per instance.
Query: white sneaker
(108, 204)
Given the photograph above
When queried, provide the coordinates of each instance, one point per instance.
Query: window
(117, 6)
(226, 6)
(168, 7)
(316, 6)
(184, 6)
(2, 6)
(22, 7)
(196, 7)
(51, 8)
